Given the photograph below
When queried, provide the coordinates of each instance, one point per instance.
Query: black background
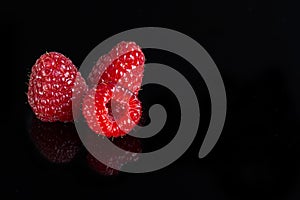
(253, 43)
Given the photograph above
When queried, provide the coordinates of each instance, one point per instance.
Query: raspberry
(102, 119)
(115, 80)
(57, 142)
(123, 65)
(52, 80)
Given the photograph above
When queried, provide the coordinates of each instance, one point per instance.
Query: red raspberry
(57, 142)
(52, 80)
(102, 119)
(116, 78)
(123, 65)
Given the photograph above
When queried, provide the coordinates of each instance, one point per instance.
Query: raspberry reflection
(127, 143)
(58, 142)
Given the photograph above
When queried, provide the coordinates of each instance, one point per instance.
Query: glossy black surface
(255, 45)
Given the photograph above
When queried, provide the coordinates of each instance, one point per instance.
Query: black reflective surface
(255, 46)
